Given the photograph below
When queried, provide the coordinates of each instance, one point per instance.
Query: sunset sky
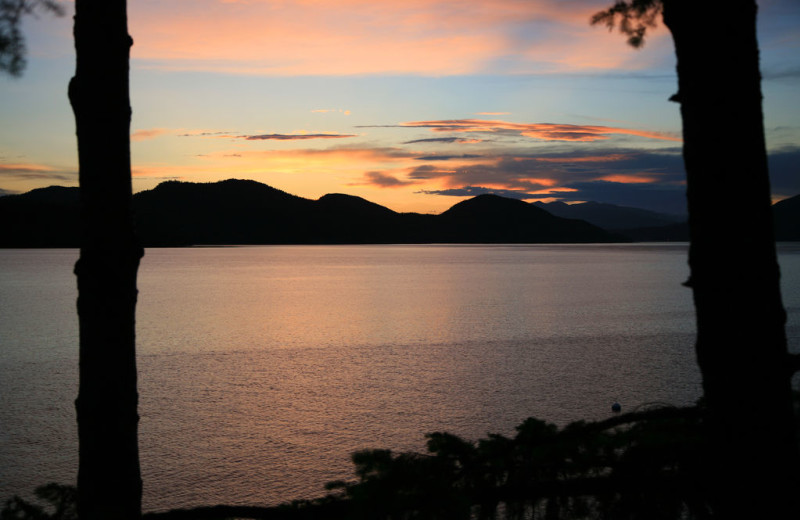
(413, 104)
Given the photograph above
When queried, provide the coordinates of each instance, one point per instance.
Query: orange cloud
(151, 133)
(554, 189)
(330, 110)
(349, 160)
(543, 181)
(543, 131)
(628, 179)
(593, 159)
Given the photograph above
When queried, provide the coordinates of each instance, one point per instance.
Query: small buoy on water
(616, 407)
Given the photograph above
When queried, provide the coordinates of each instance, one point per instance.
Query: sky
(413, 104)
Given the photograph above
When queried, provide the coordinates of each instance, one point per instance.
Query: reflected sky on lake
(263, 368)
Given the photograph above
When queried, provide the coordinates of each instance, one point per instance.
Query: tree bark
(109, 481)
(741, 342)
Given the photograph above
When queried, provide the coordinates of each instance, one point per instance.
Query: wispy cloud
(383, 180)
(294, 137)
(540, 131)
(460, 140)
(447, 157)
(32, 171)
(150, 133)
(474, 191)
(331, 110)
(207, 133)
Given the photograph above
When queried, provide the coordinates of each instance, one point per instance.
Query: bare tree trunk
(741, 341)
(109, 481)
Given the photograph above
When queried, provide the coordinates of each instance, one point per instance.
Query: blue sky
(415, 105)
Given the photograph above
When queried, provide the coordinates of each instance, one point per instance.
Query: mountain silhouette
(787, 219)
(491, 218)
(44, 217)
(610, 216)
(226, 212)
(248, 212)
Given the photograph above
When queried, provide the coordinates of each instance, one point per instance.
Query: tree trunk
(109, 481)
(741, 342)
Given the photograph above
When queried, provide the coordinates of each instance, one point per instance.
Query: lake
(262, 368)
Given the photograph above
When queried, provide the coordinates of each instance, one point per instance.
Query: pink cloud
(331, 110)
(587, 159)
(150, 133)
(628, 178)
(542, 131)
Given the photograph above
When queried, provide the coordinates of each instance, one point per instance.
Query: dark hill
(491, 218)
(339, 218)
(353, 205)
(247, 212)
(787, 219)
(226, 212)
(671, 233)
(44, 217)
(611, 216)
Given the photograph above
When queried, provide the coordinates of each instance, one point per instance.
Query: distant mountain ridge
(610, 216)
(247, 212)
(787, 219)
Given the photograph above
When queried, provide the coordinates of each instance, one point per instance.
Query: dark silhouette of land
(610, 216)
(248, 212)
(639, 225)
(45, 217)
(787, 219)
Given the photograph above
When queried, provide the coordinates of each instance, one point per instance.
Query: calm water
(263, 368)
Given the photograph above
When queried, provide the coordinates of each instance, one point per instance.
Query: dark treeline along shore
(247, 212)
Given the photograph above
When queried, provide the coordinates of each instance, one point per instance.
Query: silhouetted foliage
(647, 464)
(635, 465)
(12, 41)
(632, 17)
(60, 503)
